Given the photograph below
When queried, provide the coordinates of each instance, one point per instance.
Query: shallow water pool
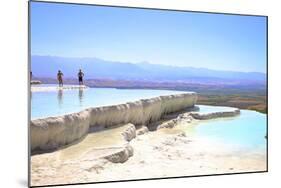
(59, 102)
(245, 132)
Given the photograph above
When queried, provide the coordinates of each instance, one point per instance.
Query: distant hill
(94, 68)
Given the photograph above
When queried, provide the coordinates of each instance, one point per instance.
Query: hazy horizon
(185, 66)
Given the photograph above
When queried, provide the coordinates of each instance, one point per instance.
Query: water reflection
(60, 98)
(54, 103)
(81, 96)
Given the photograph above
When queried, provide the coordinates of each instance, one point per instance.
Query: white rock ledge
(118, 152)
(121, 155)
(57, 88)
(213, 115)
(52, 132)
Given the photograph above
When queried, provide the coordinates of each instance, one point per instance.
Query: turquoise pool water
(54, 103)
(245, 131)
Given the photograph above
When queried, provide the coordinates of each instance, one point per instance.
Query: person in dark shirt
(80, 77)
(60, 79)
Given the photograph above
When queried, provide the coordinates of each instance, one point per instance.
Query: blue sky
(214, 41)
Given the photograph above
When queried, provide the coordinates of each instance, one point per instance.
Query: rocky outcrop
(181, 118)
(53, 132)
(130, 133)
(121, 155)
(212, 115)
(142, 130)
(169, 124)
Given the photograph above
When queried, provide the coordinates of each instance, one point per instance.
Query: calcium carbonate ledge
(52, 132)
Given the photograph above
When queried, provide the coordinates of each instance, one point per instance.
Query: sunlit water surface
(54, 103)
(246, 131)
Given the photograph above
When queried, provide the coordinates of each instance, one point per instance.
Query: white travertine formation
(121, 155)
(142, 130)
(130, 133)
(56, 88)
(53, 132)
(212, 115)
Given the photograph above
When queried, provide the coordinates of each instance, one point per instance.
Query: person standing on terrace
(80, 77)
(59, 77)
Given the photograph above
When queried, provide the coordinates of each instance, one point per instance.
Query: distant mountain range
(94, 68)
